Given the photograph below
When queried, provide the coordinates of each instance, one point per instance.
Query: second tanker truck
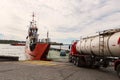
(98, 50)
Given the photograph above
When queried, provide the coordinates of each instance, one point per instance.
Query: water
(55, 56)
(19, 51)
(64, 47)
(16, 51)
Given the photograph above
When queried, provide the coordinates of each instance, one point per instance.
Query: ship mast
(33, 16)
(33, 20)
(32, 31)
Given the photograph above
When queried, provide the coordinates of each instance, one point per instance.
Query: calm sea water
(19, 51)
(8, 50)
(64, 47)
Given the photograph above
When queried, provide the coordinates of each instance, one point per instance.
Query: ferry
(34, 48)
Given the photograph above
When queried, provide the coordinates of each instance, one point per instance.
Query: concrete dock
(48, 70)
(58, 69)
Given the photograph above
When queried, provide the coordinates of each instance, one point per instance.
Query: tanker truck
(97, 51)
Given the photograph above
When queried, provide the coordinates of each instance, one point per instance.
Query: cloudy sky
(66, 20)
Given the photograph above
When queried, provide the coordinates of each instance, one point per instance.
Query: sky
(66, 20)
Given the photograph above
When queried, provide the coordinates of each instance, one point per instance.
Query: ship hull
(39, 53)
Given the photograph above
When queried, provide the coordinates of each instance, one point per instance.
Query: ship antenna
(47, 34)
(33, 16)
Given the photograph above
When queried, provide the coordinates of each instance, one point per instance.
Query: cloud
(64, 19)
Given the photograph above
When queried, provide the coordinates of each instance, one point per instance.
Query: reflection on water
(8, 50)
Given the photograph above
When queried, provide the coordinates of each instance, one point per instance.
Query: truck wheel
(96, 66)
(118, 70)
(70, 58)
(105, 64)
(74, 62)
(81, 62)
(77, 62)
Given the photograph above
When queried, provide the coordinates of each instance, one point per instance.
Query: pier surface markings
(46, 63)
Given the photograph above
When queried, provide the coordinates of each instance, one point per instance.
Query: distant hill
(10, 41)
(15, 41)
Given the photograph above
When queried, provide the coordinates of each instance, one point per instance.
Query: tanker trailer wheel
(74, 61)
(118, 70)
(70, 58)
(77, 62)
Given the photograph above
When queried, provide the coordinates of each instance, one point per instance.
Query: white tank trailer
(104, 44)
(97, 51)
